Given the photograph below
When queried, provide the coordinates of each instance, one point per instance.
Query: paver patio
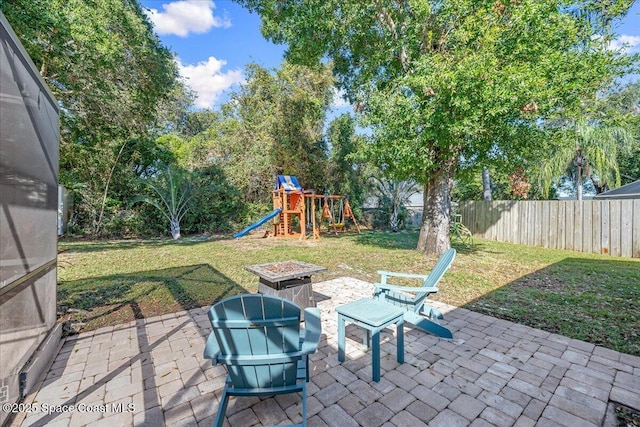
(494, 373)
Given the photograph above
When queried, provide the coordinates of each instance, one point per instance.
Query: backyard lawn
(589, 297)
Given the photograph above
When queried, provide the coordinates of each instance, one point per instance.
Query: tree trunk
(434, 233)
(393, 221)
(579, 186)
(486, 185)
(98, 225)
(579, 163)
(175, 228)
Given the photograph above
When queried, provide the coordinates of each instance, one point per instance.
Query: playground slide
(257, 224)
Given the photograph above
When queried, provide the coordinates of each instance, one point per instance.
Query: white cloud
(626, 43)
(208, 81)
(186, 16)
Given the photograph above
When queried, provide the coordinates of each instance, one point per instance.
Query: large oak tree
(451, 83)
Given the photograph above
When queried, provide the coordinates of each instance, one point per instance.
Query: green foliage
(392, 197)
(216, 206)
(442, 81)
(272, 125)
(109, 73)
(468, 184)
(171, 194)
(590, 151)
(346, 171)
(620, 107)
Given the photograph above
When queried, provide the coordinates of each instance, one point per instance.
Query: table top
(370, 311)
(284, 270)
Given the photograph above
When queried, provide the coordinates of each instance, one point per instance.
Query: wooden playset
(301, 213)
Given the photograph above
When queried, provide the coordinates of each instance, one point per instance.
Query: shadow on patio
(494, 372)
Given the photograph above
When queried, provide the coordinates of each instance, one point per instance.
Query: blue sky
(214, 41)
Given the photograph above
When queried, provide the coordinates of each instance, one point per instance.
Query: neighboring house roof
(629, 191)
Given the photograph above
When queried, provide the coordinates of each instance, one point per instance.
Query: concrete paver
(493, 373)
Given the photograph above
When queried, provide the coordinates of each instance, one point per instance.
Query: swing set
(301, 213)
(337, 207)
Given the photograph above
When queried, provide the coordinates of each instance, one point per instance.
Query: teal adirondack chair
(412, 299)
(258, 338)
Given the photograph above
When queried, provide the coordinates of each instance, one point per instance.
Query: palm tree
(592, 155)
(172, 194)
(393, 195)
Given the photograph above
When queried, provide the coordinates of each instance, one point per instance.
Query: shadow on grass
(590, 300)
(120, 298)
(387, 239)
(407, 239)
(468, 249)
(82, 245)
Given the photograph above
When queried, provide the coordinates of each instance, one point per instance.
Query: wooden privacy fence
(596, 226)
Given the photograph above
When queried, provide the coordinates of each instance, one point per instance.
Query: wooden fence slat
(614, 225)
(515, 220)
(577, 225)
(587, 221)
(562, 212)
(523, 223)
(531, 225)
(544, 224)
(472, 220)
(501, 220)
(553, 224)
(568, 225)
(495, 222)
(626, 228)
(487, 220)
(512, 225)
(635, 252)
(508, 222)
(596, 226)
(604, 239)
(539, 224)
(596, 230)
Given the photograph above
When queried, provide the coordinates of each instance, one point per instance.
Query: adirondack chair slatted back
(441, 267)
(250, 326)
(416, 301)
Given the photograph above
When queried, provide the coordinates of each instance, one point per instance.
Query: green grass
(589, 297)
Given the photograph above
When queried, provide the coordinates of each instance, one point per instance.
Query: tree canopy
(448, 84)
(272, 125)
(109, 73)
(591, 154)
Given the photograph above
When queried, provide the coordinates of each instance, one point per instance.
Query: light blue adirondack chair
(258, 338)
(412, 299)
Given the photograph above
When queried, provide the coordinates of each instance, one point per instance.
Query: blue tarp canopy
(288, 182)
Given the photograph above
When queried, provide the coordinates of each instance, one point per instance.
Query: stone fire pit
(287, 279)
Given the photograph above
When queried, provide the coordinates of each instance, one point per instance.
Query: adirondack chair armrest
(386, 274)
(413, 289)
(212, 349)
(312, 330)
